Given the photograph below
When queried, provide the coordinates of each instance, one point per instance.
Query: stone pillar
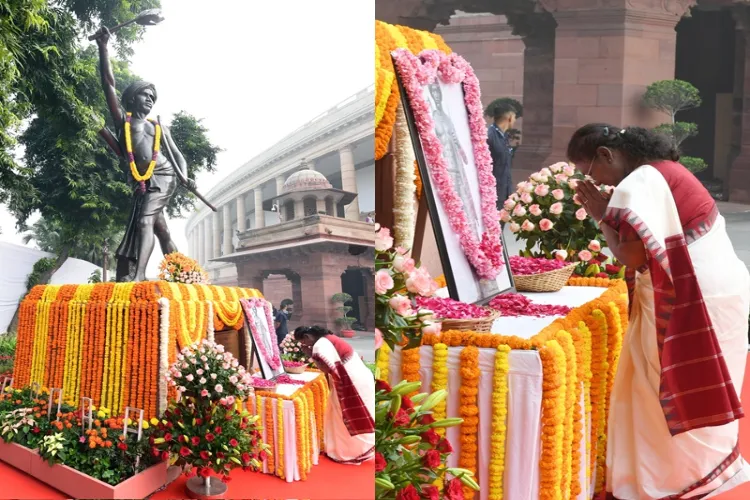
(247, 277)
(368, 275)
(208, 247)
(349, 180)
(241, 215)
(299, 209)
(320, 280)
(280, 184)
(321, 204)
(227, 216)
(739, 174)
(260, 215)
(216, 226)
(605, 58)
(538, 34)
(299, 306)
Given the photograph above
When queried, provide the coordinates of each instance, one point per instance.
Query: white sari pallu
(349, 427)
(673, 431)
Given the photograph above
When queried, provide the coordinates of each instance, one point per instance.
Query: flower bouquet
(177, 268)
(410, 455)
(206, 430)
(546, 213)
(398, 282)
(292, 356)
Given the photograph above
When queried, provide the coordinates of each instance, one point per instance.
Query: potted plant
(207, 430)
(344, 321)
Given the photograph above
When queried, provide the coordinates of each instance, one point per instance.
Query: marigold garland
(571, 383)
(410, 365)
(553, 421)
(499, 424)
(599, 403)
(280, 441)
(387, 39)
(381, 362)
(439, 380)
(405, 189)
(469, 362)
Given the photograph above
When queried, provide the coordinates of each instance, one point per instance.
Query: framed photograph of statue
(440, 96)
(263, 344)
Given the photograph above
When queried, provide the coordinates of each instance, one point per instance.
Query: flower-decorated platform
(113, 342)
(292, 420)
(533, 392)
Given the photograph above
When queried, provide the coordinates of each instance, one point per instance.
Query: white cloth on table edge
(523, 435)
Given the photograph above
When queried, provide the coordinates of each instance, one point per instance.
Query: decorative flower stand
(205, 488)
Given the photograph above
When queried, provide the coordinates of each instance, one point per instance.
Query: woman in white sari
(349, 427)
(673, 425)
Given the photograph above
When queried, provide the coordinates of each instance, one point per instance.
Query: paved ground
(364, 345)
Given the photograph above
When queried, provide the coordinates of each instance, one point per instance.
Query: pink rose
(383, 282)
(558, 194)
(560, 255)
(420, 282)
(383, 240)
(401, 250)
(556, 208)
(557, 167)
(403, 264)
(561, 178)
(204, 393)
(428, 327)
(545, 224)
(595, 246)
(504, 215)
(513, 197)
(514, 227)
(402, 305)
(527, 225)
(541, 190)
(526, 198)
(527, 187)
(577, 199)
(535, 210)
(545, 171)
(585, 255)
(519, 211)
(581, 214)
(569, 170)
(378, 338)
(509, 204)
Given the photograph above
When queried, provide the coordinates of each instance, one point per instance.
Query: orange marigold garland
(410, 365)
(553, 421)
(599, 403)
(469, 362)
(571, 393)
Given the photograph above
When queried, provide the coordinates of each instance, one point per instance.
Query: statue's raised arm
(108, 78)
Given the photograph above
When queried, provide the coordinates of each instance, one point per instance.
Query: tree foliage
(693, 163)
(671, 96)
(678, 131)
(47, 236)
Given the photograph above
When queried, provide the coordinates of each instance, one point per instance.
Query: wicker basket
(471, 325)
(551, 281)
(295, 369)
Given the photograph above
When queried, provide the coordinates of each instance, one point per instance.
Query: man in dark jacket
(503, 113)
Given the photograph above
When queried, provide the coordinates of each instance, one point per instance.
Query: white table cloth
(291, 467)
(522, 446)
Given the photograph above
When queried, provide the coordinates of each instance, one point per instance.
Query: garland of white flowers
(403, 200)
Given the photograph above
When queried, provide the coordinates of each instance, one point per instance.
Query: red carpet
(327, 481)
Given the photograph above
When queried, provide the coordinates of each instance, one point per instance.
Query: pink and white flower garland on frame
(274, 358)
(485, 256)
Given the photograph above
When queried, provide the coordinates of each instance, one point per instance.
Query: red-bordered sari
(673, 430)
(350, 416)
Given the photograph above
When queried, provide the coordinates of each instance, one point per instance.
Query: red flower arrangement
(515, 304)
(409, 455)
(445, 308)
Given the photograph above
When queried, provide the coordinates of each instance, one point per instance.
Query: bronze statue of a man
(153, 174)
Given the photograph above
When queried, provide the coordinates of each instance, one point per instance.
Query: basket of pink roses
(539, 274)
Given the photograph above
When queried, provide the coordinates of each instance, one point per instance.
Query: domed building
(292, 220)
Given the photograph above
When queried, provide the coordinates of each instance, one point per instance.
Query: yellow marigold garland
(553, 420)
(410, 365)
(270, 430)
(280, 440)
(599, 403)
(384, 354)
(571, 383)
(469, 411)
(41, 334)
(439, 380)
(499, 424)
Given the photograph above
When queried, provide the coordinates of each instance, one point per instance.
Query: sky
(253, 71)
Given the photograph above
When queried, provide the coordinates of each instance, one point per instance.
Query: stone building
(291, 221)
(579, 61)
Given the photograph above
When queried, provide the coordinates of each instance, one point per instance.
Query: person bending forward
(672, 430)
(350, 415)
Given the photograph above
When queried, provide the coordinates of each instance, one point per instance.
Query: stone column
(260, 215)
(605, 58)
(241, 215)
(739, 174)
(216, 240)
(349, 180)
(280, 184)
(227, 216)
(321, 204)
(208, 246)
(320, 280)
(247, 277)
(368, 275)
(538, 34)
(299, 209)
(299, 306)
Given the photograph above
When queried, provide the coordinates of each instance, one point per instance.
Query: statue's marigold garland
(387, 39)
(469, 359)
(141, 179)
(553, 421)
(499, 422)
